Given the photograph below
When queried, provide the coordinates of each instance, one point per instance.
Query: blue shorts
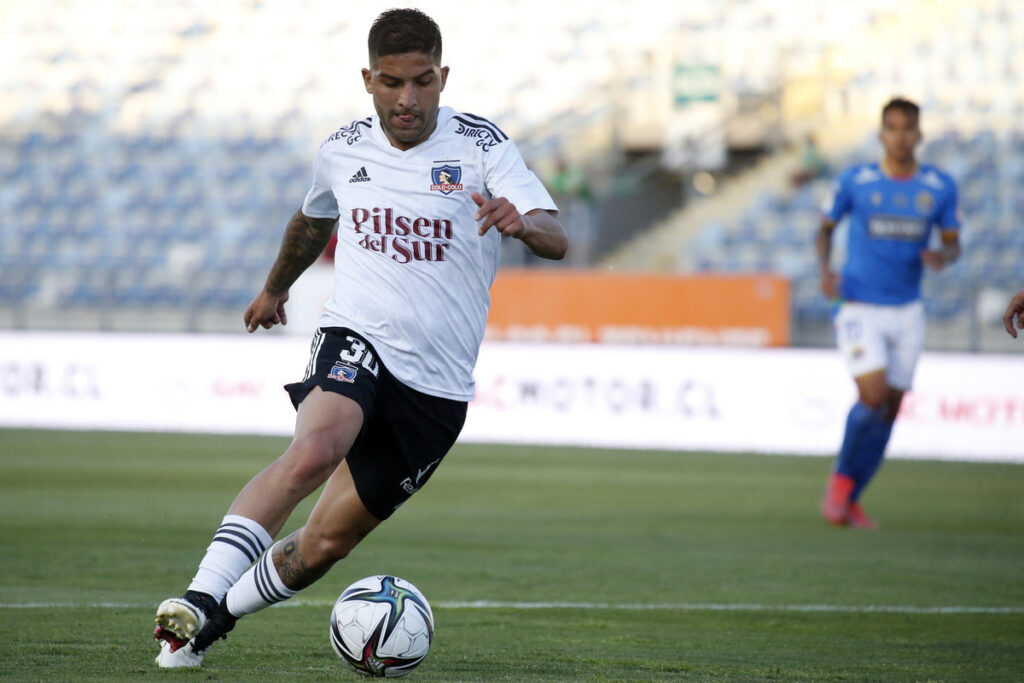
(405, 432)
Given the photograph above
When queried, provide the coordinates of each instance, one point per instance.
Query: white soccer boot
(177, 621)
(182, 657)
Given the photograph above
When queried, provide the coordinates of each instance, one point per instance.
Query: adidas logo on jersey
(360, 176)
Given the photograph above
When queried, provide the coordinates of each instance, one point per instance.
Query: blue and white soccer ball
(382, 626)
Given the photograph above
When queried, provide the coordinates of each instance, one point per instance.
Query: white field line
(668, 606)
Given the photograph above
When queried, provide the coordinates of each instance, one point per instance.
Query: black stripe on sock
(259, 584)
(263, 577)
(232, 542)
(244, 534)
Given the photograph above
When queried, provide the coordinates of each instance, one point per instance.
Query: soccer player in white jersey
(422, 196)
(880, 324)
(1013, 317)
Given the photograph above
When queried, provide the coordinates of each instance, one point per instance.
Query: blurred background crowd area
(152, 151)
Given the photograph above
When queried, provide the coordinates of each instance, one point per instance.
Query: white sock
(259, 587)
(235, 546)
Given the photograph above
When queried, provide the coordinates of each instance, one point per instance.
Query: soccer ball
(382, 626)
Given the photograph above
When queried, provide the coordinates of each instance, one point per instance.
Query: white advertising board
(149, 382)
(770, 401)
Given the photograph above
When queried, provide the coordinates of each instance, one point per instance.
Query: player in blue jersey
(892, 207)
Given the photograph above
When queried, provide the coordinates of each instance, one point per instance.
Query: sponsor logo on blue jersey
(905, 228)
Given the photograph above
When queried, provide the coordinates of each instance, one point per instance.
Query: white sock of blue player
(239, 541)
(261, 586)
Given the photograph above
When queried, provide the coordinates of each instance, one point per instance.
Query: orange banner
(635, 308)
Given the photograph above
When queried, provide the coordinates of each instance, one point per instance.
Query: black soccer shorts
(405, 432)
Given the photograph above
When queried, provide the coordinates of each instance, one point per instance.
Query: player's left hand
(934, 259)
(1014, 310)
(499, 213)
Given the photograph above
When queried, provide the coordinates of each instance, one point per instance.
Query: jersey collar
(884, 168)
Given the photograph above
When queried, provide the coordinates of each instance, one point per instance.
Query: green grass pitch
(591, 565)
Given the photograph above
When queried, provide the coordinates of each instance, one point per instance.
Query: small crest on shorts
(446, 178)
(343, 372)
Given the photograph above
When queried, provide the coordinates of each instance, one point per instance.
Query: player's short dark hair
(398, 31)
(904, 105)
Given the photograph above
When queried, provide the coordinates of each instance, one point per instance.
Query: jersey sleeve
(949, 214)
(841, 200)
(506, 175)
(320, 201)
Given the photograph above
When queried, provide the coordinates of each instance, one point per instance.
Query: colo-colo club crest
(446, 179)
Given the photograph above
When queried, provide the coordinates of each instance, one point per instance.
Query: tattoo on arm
(291, 565)
(304, 240)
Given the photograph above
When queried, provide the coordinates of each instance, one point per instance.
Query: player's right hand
(830, 285)
(265, 311)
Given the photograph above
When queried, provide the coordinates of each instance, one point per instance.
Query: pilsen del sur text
(403, 238)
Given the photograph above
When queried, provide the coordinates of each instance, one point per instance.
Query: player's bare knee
(873, 395)
(309, 461)
(873, 400)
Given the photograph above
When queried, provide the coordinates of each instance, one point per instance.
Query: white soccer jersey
(411, 274)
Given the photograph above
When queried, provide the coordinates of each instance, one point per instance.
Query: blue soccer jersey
(890, 223)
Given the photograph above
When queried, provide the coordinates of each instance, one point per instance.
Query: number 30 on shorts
(358, 354)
